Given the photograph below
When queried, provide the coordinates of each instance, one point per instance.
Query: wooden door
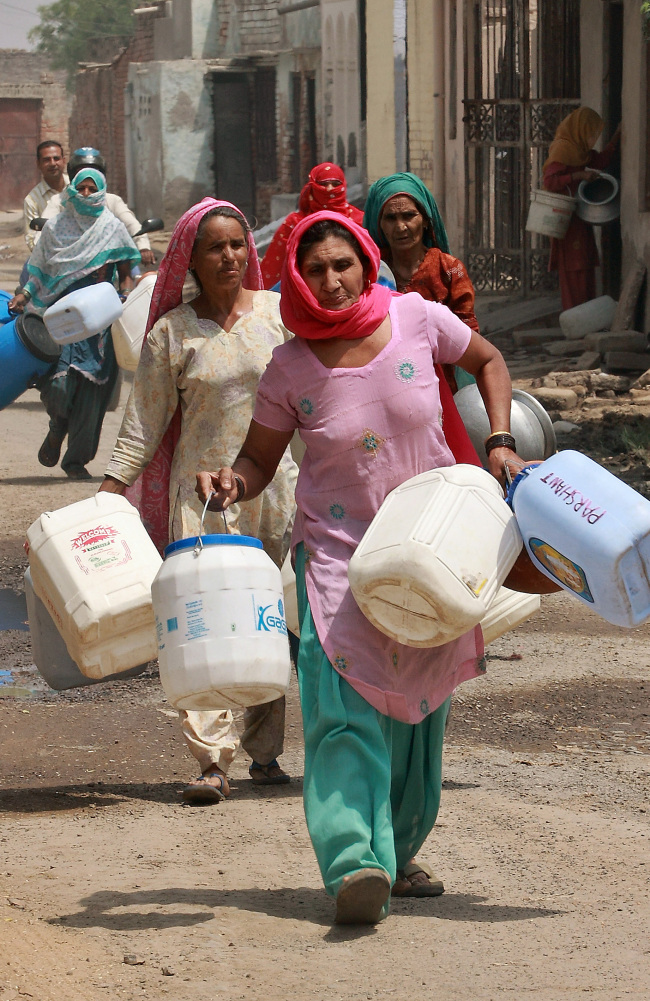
(20, 127)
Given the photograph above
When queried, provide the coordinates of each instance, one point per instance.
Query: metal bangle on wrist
(241, 488)
(500, 439)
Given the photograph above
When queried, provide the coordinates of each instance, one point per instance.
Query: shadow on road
(107, 909)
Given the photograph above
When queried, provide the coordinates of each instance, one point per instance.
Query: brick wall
(97, 117)
(28, 75)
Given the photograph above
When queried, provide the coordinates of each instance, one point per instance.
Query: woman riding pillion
(80, 246)
(358, 382)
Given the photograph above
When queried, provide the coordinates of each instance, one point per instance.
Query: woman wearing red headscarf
(358, 383)
(192, 399)
(325, 189)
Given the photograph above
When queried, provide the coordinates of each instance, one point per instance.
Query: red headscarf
(315, 198)
(304, 317)
(150, 492)
(299, 308)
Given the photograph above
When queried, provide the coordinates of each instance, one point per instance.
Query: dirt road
(542, 840)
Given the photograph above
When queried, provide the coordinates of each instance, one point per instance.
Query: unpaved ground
(542, 840)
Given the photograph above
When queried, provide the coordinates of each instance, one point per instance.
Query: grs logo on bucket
(266, 619)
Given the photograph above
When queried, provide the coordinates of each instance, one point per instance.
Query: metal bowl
(529, 423)
(599, 200)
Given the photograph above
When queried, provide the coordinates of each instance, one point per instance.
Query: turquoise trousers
(372, 784)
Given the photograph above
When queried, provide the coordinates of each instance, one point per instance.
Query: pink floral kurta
(366, 430)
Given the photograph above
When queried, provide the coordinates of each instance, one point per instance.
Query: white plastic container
(508, 610)
(50, 653)
(550, 213)
(92, 566)
(588, 531)
(435, 555)
(222, 634)
(588, 317)
(128, 330)
(81, 314)
(290, 596)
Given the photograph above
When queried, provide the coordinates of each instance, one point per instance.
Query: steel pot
(599, 200)
(529, 423)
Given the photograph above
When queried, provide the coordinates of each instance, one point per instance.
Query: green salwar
(372, 784)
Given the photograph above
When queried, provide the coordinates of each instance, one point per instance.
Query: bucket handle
(198, 548)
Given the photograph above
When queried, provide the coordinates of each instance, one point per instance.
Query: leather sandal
(362, 897)
(433, 887)
(268, 775)
(201, 791)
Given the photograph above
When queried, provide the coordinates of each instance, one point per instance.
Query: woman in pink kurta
(571, 160)
(358, 383)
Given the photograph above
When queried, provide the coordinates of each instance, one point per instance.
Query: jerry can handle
(199, 542)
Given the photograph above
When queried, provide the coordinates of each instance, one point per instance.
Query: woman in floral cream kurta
(192, 399)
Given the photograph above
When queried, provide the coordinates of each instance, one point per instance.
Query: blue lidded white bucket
(588, 531)
(222, 633)
(26, 352)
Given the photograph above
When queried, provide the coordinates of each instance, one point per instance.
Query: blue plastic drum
(5, 315)
(26, 352)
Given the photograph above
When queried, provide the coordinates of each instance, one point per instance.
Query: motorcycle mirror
(150, 226)
(37, 223)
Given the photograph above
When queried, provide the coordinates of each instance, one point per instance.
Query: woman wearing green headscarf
(403, 219)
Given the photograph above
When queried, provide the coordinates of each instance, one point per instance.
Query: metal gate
(522, 63)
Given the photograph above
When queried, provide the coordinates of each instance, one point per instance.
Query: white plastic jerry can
(129, 328)
(50, 653)
(508, 610)
(589, 531)
(222, 632)
(435, 555)
(82, 313)
(92, 565)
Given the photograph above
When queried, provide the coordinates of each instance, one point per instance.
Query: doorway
(522, 77)
(20, 133)
(233, 152)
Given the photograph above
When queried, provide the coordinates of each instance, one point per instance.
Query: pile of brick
(614, 350)
(560, 391)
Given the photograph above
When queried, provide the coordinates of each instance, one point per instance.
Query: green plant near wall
(645, 19)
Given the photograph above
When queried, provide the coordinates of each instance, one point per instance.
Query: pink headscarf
(150, 492)
(299, 308)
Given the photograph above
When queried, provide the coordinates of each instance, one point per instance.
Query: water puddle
(13, 610)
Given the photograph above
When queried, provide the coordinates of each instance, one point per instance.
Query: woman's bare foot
(210, 787)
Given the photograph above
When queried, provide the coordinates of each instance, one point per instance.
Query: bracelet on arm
(500, 439)
(241, 487)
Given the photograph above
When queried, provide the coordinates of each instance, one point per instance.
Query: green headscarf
(404, 184)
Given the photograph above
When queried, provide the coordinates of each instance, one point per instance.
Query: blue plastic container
(5, 315)
(589, 532)
(26, 352)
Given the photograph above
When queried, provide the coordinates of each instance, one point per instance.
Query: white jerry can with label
(222, 632)
(92, 564)
(589, 531)
(435, 555)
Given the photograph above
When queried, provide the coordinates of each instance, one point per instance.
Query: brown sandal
(201, 792)
(433, 887)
